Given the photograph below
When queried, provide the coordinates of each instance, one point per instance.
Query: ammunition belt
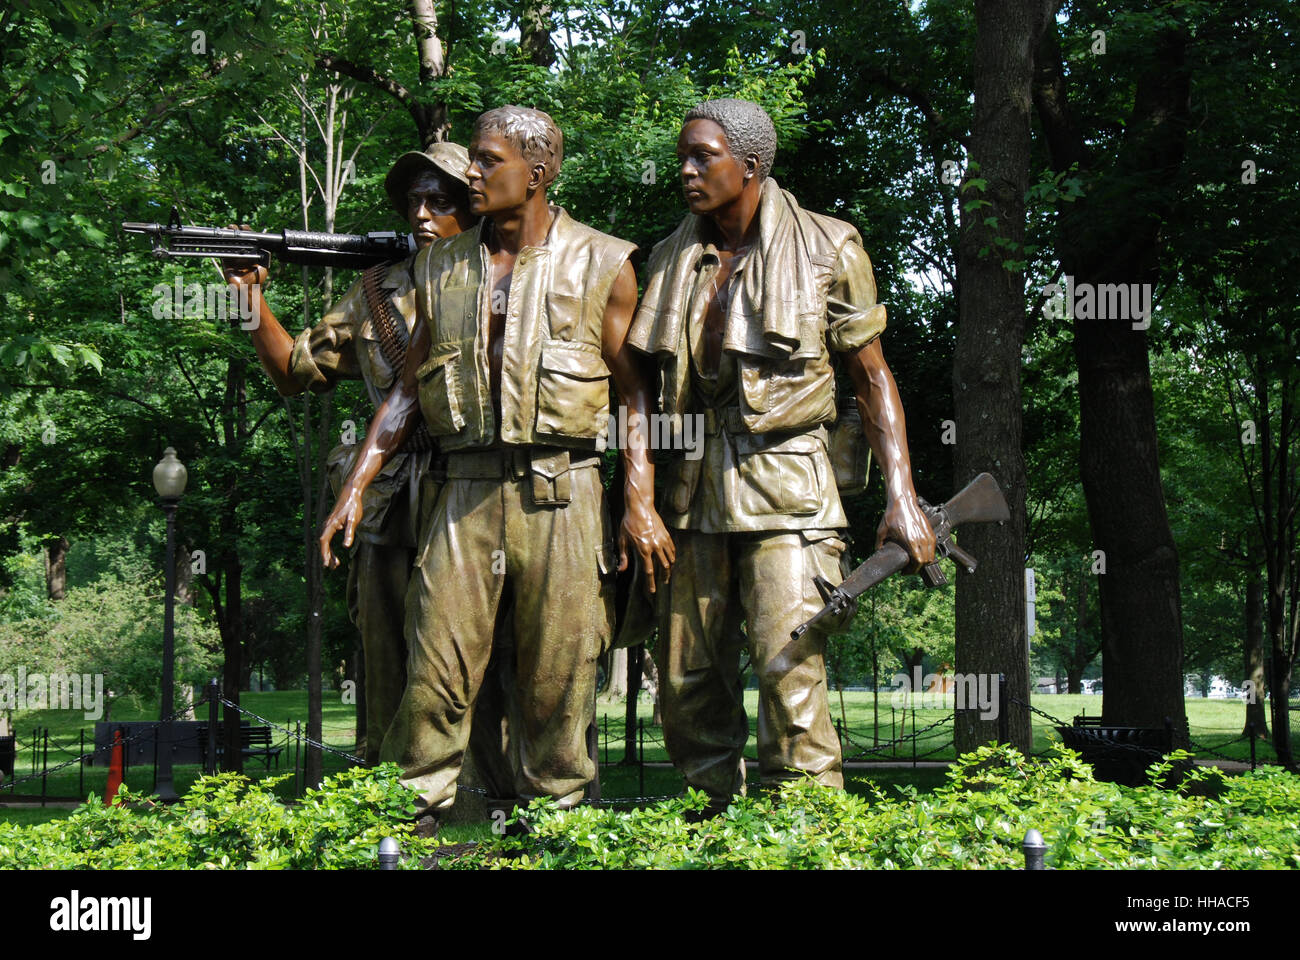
(393, 341)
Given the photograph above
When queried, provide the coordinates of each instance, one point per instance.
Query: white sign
(1030, 597)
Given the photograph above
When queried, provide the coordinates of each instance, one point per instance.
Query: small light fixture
(169, 476)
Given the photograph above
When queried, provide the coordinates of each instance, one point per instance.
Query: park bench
(1118, 754)
(253, 742)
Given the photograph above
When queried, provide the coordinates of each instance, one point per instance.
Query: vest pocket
(785, 479)
(572, 390)
(440, 391)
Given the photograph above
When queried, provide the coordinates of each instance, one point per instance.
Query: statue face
(712, 176)
(499, 176)
(432, 209)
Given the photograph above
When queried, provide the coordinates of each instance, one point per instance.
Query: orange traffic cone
(114, 770)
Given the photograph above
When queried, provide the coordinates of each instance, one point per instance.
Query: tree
(986, 367)
(1111, 236)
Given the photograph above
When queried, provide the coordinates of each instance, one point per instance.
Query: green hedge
(229, 822)
(978, 820)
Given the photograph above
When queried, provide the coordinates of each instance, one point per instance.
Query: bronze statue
(522, 325)
(744, 304)
(364, 335)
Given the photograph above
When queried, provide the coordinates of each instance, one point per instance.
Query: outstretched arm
(394, 421)
(886, 429)
(641, 525)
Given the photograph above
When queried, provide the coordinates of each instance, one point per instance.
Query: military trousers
(544, 536)
(763, 580)
(377, 581)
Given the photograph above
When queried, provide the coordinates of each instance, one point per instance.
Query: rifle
(309, 247)
(981, 501)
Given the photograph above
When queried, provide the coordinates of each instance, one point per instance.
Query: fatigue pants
(766, 580)
(377, 581)
(486, 531)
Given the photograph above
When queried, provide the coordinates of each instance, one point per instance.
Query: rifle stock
(980, 501)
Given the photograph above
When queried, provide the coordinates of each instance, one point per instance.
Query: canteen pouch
(850, 453)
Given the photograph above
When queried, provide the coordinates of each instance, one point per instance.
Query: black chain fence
(616, 745)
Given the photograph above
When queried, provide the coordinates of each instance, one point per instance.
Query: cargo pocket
(439, 386)
(572, 390)
(784, 479)
(430, 487)
(827, 555)
(604, 615)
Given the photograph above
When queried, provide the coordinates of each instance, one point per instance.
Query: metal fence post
(297, 757)
(839, 734)
(45, 766)
(640, 756)
(1250, 727)
(913, 737)
(1034, 849)
(213, 693)
(81, 766)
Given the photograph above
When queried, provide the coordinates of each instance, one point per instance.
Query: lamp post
(169, 477)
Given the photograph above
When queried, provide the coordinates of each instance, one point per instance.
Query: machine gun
(309, 247)
(980, 502)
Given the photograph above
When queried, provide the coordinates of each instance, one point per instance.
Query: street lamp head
(169, 476)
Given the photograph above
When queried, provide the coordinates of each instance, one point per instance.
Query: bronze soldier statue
(744, 304)
(522, 325)
(364, 336)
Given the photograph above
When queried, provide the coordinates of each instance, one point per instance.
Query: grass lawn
(1212, 723)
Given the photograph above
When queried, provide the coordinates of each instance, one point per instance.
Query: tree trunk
(616, 684)
(1111, 236)
(232, 648)
(234, 423)
(1280, 690)
(56, 571)
(1073, 680)
(1141, 613)
(313, 769)
(535, 32)
(1254, 656)
(633, 692)
(990, 627)
(359, 677)
(183, 579)
(1083, 652)
(650, 680)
